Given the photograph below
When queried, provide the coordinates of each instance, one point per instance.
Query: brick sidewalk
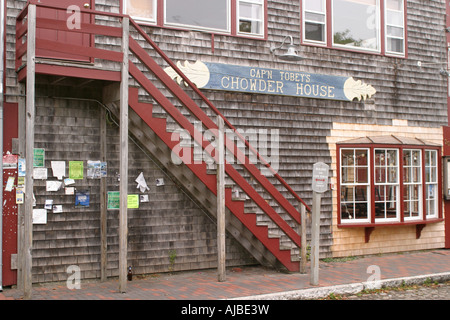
(246, 281)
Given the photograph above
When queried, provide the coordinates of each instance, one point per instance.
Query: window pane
(361, 157)
(395, 32)
(386, 202)
(315, 5)
(251, 11)
(362, 175)
(141, 9)
(412, 198)
(395, 18)
(430, 166)
(431, 200)
(347, 157)
(379, 158)
(348, 175)
(354, 203)
(380, 175)
(394, 5)
(430, 158)
(198, 13)
(315, 17)
(315, 32)
(356, 23)
(395, 45)
(391, 158)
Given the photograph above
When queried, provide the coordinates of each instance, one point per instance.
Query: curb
(353, 288)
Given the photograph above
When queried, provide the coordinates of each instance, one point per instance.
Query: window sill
(369, 227)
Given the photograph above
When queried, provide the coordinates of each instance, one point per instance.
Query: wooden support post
(103, 215)
(221, 201)
(30, 117)
(123, 214)
(315, 235)
(21, 207)
(303, 245)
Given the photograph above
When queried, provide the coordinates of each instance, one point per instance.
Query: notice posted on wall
(76, 170)
(82, 198)
(39, 216)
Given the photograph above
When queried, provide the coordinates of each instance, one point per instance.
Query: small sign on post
(319, 186)
(320, 177)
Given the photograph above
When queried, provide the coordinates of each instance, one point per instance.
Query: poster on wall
(38, 158)
(10, 161)
(133, 201)
(82, 198)
(94, 169)
(113, 200)
(76, 169)
(59, 169)
(39, 216)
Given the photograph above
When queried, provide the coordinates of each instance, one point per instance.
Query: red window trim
(329, 41)
(233, 17)
(402, 222)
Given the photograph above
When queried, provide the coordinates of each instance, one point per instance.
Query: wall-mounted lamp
(291, 54)
(444, 72)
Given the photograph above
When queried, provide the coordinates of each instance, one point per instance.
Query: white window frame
(261, 21)
(432, 183)
(366, 184)
(395, 184)
(381, 22)
(397, 26)
(379, 36)
(304, 21)
(415, 183)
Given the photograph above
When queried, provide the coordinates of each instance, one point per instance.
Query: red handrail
(206, 100)
(188, 102)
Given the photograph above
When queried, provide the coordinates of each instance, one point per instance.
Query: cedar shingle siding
(69, 129)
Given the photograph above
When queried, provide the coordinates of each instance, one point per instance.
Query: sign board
(217, 76)
(320, 177)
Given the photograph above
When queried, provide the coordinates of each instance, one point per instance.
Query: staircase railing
(106, 27)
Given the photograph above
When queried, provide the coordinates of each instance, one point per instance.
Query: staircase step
(171, 134)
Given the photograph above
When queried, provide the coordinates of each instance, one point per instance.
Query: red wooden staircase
(264, 220)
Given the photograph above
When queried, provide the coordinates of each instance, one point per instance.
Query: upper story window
(144, 10)
(198, 14)
(364, 25)
(388, 182)
(235, 17)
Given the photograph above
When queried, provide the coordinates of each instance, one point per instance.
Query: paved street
(429, 292)
(259, 283)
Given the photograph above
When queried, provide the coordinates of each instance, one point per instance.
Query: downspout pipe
(2, 67)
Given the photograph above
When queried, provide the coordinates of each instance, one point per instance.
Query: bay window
(376, 26)
(388, 184)
(235, 17)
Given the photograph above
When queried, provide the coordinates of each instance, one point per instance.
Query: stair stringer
(197, 191)
(159, 126)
